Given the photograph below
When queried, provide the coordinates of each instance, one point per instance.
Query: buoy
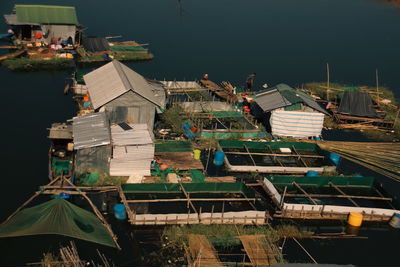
(335, 158)
(355, 219)
(197, 153)
(219, 158)
(395, 221)
(120, 211)
(312, 173)
(38, 35)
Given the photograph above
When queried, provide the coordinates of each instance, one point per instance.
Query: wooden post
(283, 198)
(222, 215)
(377, 87)
(327, 83)
(248, 152)
(212, 213)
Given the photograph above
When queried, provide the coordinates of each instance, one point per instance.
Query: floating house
(275, 157)
(289, 112)
(328, 198)
(124, 95)
(43, 23)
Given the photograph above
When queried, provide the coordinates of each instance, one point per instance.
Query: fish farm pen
(328, 198)
(193, 203)
(275, 157)
(225, 125)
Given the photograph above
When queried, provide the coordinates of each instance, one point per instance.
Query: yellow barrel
(355, 219)
(197, 153)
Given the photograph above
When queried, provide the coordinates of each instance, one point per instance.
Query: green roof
(44, 14)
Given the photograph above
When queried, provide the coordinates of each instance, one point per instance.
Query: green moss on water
(26, 64)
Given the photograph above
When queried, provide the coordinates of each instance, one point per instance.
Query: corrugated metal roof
(45, 14)
(312, 104)
(11, 19)
(133, 150)
(271, 100)
(114, 79)
(283, 95)
(91, 130)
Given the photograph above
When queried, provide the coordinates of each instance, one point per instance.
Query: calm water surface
(283, 41)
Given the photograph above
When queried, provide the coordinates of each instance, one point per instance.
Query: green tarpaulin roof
(44, 14)
(60, 217)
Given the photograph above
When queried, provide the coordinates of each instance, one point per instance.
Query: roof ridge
(121, 73)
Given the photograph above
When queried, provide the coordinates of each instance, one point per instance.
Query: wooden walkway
(258, 250)
(219, 91)
(202, 252)
(12, 55)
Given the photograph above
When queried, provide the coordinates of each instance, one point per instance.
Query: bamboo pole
(187, 196)
(377, 87)
(346, 196)
(248, 152)
(275, 154)
(191, 199)
(305, 193)
(341, 196)
(98, 213)
(309, 255)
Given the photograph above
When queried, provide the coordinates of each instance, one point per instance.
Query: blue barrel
(219, 158)
(312, 173)
(120, 212)
(395, 221)
(335, 158)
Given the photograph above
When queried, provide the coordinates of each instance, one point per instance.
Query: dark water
(283, 41)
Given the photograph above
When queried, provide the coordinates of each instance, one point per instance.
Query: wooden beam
(299, 156)
(123, 200)
(341, 192)
(305, 193)
(185, 199)
(276, 155)
(340, 196)
(248, 152)
(274, 158)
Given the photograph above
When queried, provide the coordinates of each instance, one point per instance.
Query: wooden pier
(203, 253)
(258, 250)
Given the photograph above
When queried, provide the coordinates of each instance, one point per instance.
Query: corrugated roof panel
(271, 100)
(313, 104)
(46, 14)
(90, 130)
(104, 84)
(114, 79)
(133, 150)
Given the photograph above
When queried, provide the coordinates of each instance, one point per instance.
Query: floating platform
(275, 157)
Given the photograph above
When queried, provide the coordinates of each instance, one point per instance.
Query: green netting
(227, 114)
(121, 48)
(173, 146)
(293, 107)
(227, 135)
(264, 145)
(320, 181)
(60, 166)
(351, 88)
(189, 187)
(60, 217)
(197, 176)
(44, 14)
(79, 76)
